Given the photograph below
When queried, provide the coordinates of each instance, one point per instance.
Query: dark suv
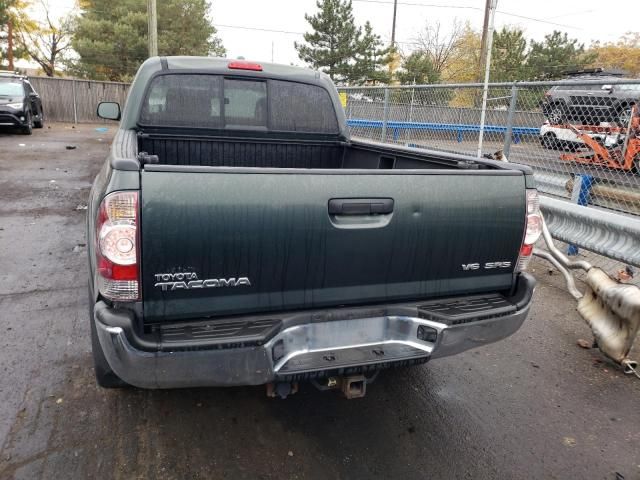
(20, 105)
(591, 104)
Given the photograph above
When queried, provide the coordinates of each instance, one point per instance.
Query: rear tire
(40, 122)
(623, 115)
(549, 141)
(557, 114)
(105, 377)
(27, 129)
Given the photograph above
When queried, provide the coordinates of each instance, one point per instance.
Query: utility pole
(483, 44)
(394, 57)
(10, 44)
(393, 25)
(152, 15)
(487, 68)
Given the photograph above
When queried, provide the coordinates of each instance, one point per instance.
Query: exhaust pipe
(611, 309)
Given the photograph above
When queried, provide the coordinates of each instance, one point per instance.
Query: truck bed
(278, 153)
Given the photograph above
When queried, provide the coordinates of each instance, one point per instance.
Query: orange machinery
(622, 156)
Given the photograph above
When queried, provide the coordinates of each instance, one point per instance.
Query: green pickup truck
(239, 236)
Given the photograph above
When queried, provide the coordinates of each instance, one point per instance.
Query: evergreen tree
(341, 49)
(331, 45)
(508, 55)
(14, 12)
(418, 69)
(551, 58)
(371, 59)
(110, 36)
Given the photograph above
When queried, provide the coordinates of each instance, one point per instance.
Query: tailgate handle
(360, 206)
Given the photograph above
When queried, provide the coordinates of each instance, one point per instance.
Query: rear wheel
(27, 129)
(623, 116)
(105, 377)
(39, 123)
(550, 141)
(557, 114)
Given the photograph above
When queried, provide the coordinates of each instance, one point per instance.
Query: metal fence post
(75, 102)
(510, 116)
(385, 117)
(413, 92)
(580, 195)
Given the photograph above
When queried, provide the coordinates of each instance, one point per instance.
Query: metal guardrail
(551, 183)
(459, 129)
(609, 234)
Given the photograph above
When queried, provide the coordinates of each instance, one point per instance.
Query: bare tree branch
(47, 41)
(441, 47)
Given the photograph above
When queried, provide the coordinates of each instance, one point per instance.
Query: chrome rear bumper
(313, 347)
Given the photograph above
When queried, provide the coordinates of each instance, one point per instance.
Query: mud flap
(612, 310)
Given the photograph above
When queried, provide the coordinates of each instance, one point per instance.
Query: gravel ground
(532, 406)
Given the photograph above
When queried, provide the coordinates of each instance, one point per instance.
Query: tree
(331, 45)
(13, 18)
(557, 54)
(370, 60)
(623, 54)
(338, 47)
(110, 36)
(417, 68)
(442, 48)
(508, 55)
(462, 66)
(47, 41)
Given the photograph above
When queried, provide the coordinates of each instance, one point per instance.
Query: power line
(466, 7)
(259, 29)
(410, 4)
(539, 20)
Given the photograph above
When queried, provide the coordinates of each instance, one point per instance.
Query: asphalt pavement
(532, 406)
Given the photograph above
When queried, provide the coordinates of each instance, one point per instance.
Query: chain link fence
(580, 136)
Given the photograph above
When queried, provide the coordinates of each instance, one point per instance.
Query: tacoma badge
(190, 281)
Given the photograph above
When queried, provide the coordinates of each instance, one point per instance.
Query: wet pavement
(532, 406)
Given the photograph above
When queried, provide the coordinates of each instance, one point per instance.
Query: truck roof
(221, 65)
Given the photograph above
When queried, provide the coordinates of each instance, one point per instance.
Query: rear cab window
(243, 103)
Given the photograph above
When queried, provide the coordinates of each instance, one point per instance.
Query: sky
(586, 20)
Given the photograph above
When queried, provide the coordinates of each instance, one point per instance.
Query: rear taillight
(533, 229)
(117, 246)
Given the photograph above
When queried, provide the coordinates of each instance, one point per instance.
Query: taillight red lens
(117, 252)
(240, 65)
(533, 229)
(526, 250)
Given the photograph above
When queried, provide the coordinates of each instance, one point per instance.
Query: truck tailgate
(225, 242)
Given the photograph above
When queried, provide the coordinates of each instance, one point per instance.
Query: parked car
(590, 104)
(556, 137)
(238, 236)
(20, 104)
